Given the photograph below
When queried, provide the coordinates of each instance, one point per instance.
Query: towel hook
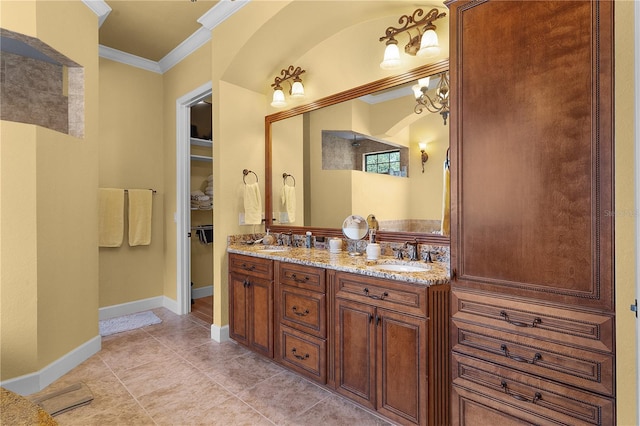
(285, 175)
(245, 172)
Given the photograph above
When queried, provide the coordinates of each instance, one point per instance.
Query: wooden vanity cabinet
(251, 302)
(382, 343)
(531, 200)
(301, 326)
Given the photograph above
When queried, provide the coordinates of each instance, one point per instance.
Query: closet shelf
(201, 157)
(201, 142)
(202, 210)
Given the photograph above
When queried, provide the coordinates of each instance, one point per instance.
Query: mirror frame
(347, 95)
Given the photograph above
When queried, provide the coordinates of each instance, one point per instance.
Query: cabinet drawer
(303, 310)
(254, 266)
(578, 367)
(301, 276)
(395, 295)
(530, 397)
(571, 328)
(303, 353)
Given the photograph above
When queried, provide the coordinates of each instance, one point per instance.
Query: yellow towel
(446, 201)
(140, 206)
(252, 204)
(289, 202)
(111, 217)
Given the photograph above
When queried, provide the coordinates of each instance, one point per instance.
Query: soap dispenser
(268, 239)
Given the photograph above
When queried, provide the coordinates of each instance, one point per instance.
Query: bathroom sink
(400, 267)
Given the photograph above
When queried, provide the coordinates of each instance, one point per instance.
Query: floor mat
(128, 322)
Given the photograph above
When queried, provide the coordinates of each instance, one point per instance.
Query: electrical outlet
(241, 219)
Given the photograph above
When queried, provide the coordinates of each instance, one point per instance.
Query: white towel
(446, 201)
(111, 217)
(140, 208)
(289, 202)
(252, 204)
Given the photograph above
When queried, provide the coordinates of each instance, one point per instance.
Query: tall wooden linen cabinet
(532, 255)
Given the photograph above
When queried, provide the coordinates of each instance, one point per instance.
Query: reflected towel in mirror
(289, 202)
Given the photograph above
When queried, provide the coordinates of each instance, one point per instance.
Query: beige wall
(131, 156)
(49, 258)
(625, 272)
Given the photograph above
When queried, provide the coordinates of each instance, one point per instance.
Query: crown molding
(100, 8)
(221, 11)
(128, 59)
(184, 49)
(211, 19)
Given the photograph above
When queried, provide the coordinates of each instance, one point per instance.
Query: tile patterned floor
(173, 374)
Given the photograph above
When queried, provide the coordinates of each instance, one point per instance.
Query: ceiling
(151, 29)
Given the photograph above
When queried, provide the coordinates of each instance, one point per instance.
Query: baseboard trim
(137, 306)
(35, 382)
(200, 292)
(220, 334)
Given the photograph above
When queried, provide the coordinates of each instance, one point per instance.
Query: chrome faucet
(413, 249)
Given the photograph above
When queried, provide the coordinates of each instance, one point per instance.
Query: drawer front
(303, 310)
(571, 328)
(301, 276)
(303, 353)
(529, 396)
(389, 294)
(254, 266)
(579, 367)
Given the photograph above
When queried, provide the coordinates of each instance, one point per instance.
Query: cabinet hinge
(634, 307)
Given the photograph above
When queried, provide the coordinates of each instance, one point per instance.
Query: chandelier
(439, 103)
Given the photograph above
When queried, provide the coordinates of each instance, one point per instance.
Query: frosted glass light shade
(391, 57)
(422, 146)
(423, 82)
(278, 99)
(416, 91)
(297, 90)
(429, 46)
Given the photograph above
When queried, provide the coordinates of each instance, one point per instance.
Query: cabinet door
(532, 149)
(401, 366)
(238, 308)
(355, 351)
(261, 316)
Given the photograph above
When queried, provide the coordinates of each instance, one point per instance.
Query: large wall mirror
(357, 152)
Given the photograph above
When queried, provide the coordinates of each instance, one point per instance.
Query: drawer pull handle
(535, 321)
(537, 397)
(373, 296)
(248, 268)
(299, 280)
(536, 357)
(300, 357)
(300, 314)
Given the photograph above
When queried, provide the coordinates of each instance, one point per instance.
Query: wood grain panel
(532, 164)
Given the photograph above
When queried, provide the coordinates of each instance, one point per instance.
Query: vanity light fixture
(439, 104)
(296, 89)
(424, 43)
(423, 151)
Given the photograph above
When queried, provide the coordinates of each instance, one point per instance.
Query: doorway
(183, 194)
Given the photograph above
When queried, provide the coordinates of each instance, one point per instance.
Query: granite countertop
(435, 273)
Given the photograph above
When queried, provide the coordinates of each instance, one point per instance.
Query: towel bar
(245, 172)
(285, 175)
